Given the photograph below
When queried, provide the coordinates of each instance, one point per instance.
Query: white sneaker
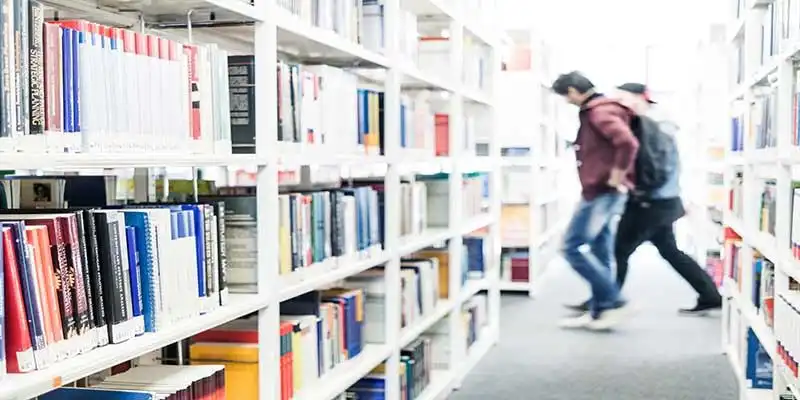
(608, 319)
(579, 322)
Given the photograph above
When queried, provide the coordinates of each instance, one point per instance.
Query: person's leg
(708, 295)
(590, 223)
(629, 234)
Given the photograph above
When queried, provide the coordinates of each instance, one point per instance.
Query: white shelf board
(754, 320)
(431, 236)
(328, 272)
(476, 352)
(509, 286)
(552, 232)
(408, 334)
(346, 374)
(476, 222)
(29, 385)
(75, 161)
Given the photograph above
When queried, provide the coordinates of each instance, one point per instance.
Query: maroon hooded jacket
(604, 141)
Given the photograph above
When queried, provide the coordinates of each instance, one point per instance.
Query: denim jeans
(593, 226)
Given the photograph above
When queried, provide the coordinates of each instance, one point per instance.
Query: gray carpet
(655, 355)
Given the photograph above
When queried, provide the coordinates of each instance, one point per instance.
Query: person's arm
(614, 128)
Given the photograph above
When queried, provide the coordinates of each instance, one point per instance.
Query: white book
(350, 238)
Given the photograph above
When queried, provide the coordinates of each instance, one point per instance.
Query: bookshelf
(533, 161)
(288, 145)
(760, 240)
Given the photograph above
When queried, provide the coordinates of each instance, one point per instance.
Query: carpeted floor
(656, 355)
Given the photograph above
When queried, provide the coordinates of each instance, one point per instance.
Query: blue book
(148, 270)
(197, 229)
(403, 133)
(68, 393)
(135, 271)
(363, 115)
(758, 370)
(66, 66)
(174, 225)
(77, 40)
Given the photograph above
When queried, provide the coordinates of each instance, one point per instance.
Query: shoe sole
(703, 313)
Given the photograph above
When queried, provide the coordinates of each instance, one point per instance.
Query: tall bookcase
(760, 315)
(534, 158)
(460, 76)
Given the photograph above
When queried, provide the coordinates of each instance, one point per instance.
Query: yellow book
(241, 366)
(444, 269)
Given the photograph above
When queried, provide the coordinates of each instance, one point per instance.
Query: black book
(241, 78)
(112, 273)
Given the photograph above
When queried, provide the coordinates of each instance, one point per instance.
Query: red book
(194, 91)
(46, 282)
(53, 104)
(18, 346)
(442, 134)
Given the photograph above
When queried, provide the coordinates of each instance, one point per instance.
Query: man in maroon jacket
(605, 149)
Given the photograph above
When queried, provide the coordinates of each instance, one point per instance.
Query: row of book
(438, 190)
(324, 105)
(75, 79)
(76, 279)
(152, 382)
(426, 354)
(787, 312)
(763, 295)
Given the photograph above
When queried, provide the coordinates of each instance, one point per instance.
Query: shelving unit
(760, 314)
(533, 160)
(270, 32)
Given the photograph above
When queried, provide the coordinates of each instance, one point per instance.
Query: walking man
(649, 216)
(605, 149)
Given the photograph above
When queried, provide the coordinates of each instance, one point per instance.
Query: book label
(26, 360)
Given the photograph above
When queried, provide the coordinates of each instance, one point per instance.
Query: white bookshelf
(750, 77)
(530, 181)
(269, 32)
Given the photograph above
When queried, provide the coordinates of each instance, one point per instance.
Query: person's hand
(616, 180)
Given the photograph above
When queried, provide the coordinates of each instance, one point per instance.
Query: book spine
(94, 269)
(82, 293)
(6, 66)
(207, 215)
(36, 84)
(52, 78)
(20, 65)
(222, 251)
(66, 80)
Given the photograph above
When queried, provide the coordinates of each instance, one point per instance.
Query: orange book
(46, 282)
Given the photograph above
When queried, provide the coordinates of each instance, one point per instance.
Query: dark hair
(574, 80)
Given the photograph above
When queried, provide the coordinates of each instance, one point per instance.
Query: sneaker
(610, 318)
(701, 309)
(579, 322)
(581, 308)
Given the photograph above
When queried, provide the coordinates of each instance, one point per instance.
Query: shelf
(32, 384)
(346, 374)
(476, 223)
(328, 272)
(22, 161)
(429, 237)
(426, 322)
(508, 286)
(442, 382)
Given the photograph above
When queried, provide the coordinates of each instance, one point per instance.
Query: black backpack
(655, 160)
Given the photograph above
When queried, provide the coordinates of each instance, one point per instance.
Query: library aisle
(658, 354)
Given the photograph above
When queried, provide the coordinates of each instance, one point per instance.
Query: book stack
(415, 374)
(758, 364)
(476, 245)
(76, 279)
(168, 382)
(179, 90)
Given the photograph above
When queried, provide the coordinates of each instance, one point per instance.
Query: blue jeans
(593, 226)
